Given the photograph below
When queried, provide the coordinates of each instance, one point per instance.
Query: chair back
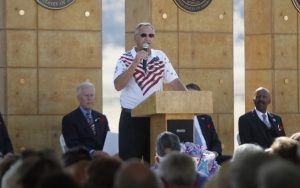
(62, 143)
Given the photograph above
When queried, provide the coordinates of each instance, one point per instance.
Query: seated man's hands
(216, 154)
(296, 136)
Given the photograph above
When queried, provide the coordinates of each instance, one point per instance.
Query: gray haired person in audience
(167, 142)
(245, 149)
(134, 174)
(278, 174)
(243, 170)
(178, 170)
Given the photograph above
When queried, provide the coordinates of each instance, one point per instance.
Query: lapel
(83, 122)
(257, 123)
(275, 123)
(97, 126)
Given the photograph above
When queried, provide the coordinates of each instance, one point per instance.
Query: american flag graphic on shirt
(145, 79)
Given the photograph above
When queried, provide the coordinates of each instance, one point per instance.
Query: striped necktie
(90, 122)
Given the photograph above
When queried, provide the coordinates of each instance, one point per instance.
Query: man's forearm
(122, 80)
(177, 85)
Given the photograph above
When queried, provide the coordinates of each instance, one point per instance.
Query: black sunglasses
(151, 35)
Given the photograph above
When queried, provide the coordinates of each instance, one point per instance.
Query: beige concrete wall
(44, 55)
(200, 47)
(271, 57)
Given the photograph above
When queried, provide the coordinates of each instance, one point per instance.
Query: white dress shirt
(197, 125)
(260, 116)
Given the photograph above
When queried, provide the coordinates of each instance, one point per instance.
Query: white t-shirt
(141, 84)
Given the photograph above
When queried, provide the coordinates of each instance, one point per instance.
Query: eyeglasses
(151, 35)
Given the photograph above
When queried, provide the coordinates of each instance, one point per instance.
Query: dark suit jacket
(251, 128)
(209, 133)
(5, 143)
(77, 132)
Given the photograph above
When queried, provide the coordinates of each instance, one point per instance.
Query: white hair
(143, 24)
(246, 149)
(79, 88)
(177, 168)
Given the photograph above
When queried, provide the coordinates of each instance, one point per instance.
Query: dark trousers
(223, 158)
(134, 137)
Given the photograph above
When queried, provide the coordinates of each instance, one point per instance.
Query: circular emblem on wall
(55, 4)
(296, 4)
(192, 6)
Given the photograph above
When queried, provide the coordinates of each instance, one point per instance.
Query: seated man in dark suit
(6, 148)
(205, 132)
(84, 126)
(259, 126)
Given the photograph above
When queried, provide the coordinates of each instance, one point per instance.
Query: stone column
(272, 57)
(44, 55)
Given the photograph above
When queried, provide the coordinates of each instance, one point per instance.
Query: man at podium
(139, 73)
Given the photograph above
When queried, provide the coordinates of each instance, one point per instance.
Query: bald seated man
(260, 126)
(134, 174)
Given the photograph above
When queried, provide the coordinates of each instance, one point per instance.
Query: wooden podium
(162, 106)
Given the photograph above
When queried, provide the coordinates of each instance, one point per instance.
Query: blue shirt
(84, 113)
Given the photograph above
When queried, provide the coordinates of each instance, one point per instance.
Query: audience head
(86, 95)
(76, 161)
(9, 179)
(101, 171)
(56, 180)
(31, 166)
(74, 155)
(212, 183)
(278, 174)
(193, 87)
(35, 167)
(6, 164)
(178, 169)
(243, 170)
(261, 99)
(166, 142)
(223, 176)
(134, 174)
(246, 149)
(286, 148)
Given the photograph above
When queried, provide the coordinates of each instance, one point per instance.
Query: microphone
(145, 48)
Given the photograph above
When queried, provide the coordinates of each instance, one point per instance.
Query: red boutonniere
(99, 119)
(208, 126)
(280, 127)
(0, 123)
